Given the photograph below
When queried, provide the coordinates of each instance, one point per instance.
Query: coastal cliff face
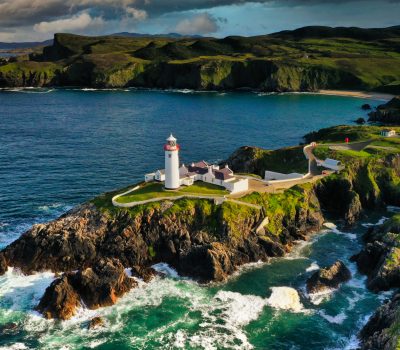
(197, 237)
(387, 113)
(279, 62)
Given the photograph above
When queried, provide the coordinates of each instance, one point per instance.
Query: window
(169, 156)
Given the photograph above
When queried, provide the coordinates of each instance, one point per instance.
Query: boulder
(60, 300)
(366, 107)
(328, 278)
(96, 322)
(100, 285)
(145, 273)
(360, 121)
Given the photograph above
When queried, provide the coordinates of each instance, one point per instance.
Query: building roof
(161, 171)
(171, 138)
(223, 174)
(201, 164)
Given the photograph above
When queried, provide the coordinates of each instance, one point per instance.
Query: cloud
(139, 15)
(72, 24)
(202, 23)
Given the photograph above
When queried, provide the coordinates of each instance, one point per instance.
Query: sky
(36, 20)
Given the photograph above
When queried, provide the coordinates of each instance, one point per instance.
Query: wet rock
(328, 278)
(380, 257)
(3, 264)
(60, 300)
(366, 107)
(9, 328)
(96, 322)
(360, 121)
(145, 273)
(382, 330)
(97, 286)
(388, 113)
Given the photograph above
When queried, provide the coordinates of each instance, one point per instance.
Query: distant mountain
(141, 35)
(321, 32)
(24, 45)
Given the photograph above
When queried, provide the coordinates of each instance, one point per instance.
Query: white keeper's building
(175, 176)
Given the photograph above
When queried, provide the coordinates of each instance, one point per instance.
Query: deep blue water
(61, 147)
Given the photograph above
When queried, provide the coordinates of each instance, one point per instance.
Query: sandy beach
(359, 94)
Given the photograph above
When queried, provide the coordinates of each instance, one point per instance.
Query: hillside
(306, 59)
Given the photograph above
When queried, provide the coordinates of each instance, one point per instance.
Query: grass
(156, 190)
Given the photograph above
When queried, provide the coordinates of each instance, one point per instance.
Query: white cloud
(202, 23)
(75, 23)
(139, 15)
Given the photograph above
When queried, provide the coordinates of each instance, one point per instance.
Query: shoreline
(343, 93)
(358, 94)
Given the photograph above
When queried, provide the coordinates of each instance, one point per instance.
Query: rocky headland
(387, 113)
(97, 248)
(279, 62)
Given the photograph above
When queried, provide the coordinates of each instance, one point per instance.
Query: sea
(61, 147)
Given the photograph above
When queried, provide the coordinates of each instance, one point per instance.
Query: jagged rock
(382, 330)
(387, 113)
(380, 258)
(328, 278)
(3, 264)
(60, 300)
(98, 286)
(96, 322)
(145, 273)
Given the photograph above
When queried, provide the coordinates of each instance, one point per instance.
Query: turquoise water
(59, 148)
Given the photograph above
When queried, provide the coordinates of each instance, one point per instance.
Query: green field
(156, 190)
(307, 59)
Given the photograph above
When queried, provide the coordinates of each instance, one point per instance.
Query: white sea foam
(285, 298)
(15, 346)
(380, 222)
(318, 298)
(166, 270)
(332, 227)
(338, 319)
(313, 267)
(393, 209)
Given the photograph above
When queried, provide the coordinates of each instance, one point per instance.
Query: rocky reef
(328, 278)
(380, 261)
(380, 258)
(387, 113)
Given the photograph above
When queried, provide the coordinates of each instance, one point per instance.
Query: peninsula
(306, 59)
(99, 246)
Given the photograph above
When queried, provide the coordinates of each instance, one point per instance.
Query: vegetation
(306, 59)
(156, 190)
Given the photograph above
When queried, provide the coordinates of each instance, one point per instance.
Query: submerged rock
(96, 322)
(366, 107)
(383, 329)
(97, 286)
(328, 278)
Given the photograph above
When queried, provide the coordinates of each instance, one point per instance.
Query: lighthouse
(171, 149)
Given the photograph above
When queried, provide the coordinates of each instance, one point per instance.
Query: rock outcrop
(388, 113)
(95, 286)
(380, 258)
(383, 329)
(328, 278)
(96, 322)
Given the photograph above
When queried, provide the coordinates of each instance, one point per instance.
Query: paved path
(217, 199)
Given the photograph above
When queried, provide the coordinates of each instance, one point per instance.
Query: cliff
(298, 61)
(95, 243)
(388, 113)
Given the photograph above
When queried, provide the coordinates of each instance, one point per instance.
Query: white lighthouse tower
(171, 149)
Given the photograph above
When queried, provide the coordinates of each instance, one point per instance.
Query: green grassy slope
(307, 59)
